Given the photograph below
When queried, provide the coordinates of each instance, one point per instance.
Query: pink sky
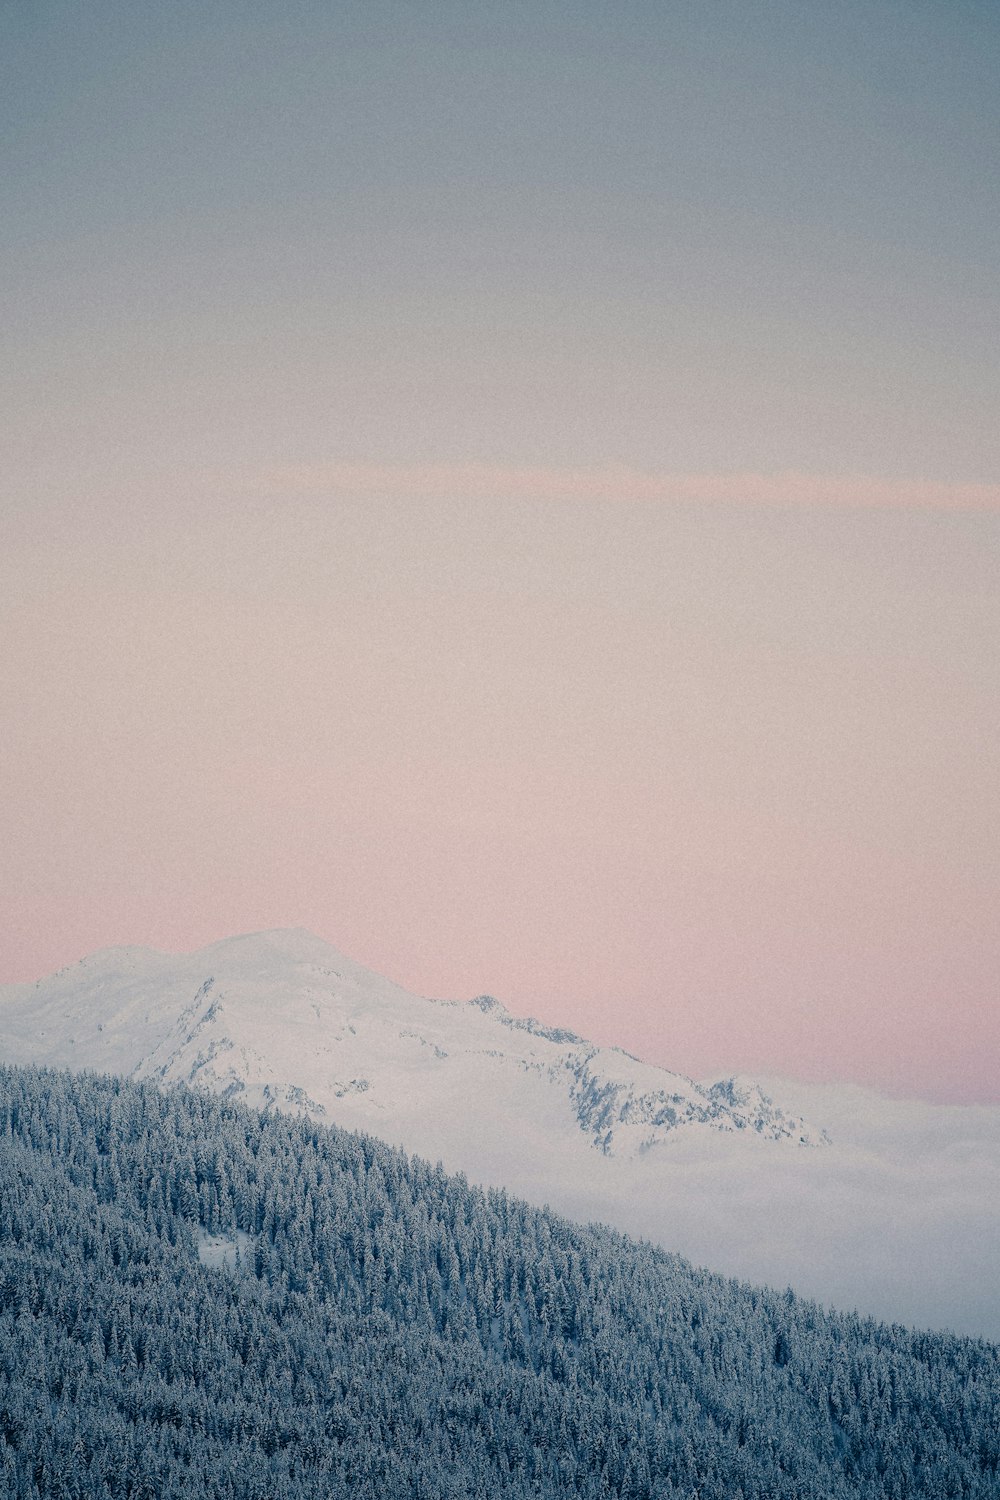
(716, 783)
(473, 481)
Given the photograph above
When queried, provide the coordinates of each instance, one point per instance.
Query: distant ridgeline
(198, 1300)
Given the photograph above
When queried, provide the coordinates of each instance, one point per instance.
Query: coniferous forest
(388, 1330)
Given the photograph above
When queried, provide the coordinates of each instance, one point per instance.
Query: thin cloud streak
(488, 481)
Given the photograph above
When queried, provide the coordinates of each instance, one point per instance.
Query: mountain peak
(282, 1017)
(292, 944)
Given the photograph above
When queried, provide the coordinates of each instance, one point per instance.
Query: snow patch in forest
(224, 1252)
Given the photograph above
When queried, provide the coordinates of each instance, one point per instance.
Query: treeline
(392, 1331)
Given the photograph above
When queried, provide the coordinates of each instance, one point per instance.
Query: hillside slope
(382, 1328)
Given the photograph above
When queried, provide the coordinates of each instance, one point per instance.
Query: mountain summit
(283, 1020)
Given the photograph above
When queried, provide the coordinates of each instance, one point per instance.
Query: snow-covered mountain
(282, 1019)
(896, 1211)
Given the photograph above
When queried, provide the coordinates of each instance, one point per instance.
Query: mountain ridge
(265, 1006)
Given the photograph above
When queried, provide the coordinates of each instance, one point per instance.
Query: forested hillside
(390, 1331)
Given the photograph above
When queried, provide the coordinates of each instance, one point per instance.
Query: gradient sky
(519, 495)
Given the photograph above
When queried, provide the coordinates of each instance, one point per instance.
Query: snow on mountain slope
(283, 1019)
(898, 1216)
